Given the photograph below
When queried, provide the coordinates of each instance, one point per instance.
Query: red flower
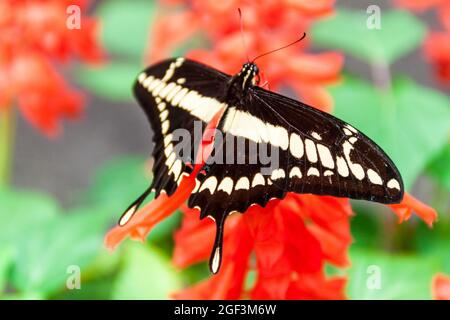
(437, 43)
(33, 35)
(290, 254)
(268, 25)
(437, 51)
(441, 287)
(291, 240)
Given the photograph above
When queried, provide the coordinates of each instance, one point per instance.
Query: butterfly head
(249, 75)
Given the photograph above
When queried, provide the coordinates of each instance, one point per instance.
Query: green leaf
(45, 253)
(439, 168)
(411, 125)
(348, 31)
(6, 259)
(126, 26)
(401, 277)
(146, 274)
(21, 212)
(118, 184)
(112, 81)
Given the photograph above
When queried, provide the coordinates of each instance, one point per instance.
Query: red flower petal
(229, 282)
(441, 287)
(318, 68)
(409, 205)
(316, 286)
(147, 217)
(193, 240)
(317, 7)
(437, 51)
(168, 32)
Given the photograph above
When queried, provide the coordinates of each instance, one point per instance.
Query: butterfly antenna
(241, 21)
(278, 49)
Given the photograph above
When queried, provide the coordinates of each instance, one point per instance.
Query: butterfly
(315, 152)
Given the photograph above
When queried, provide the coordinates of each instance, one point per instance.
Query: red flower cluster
(33, 35)
(437, 43)
(291, 241)
(268, 24)
(287, 243)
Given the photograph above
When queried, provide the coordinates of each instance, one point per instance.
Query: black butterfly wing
(349, 164)
(310, 152)
(169, 94)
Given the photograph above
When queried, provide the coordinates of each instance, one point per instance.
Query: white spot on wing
(216, 261)
(313, 172)
(258, 179)
(296, 145)
(163, 115)
(127, 216)
(165, 126)
(226, 185)
(355, 168)
(393, 184)
(328, 173)
(242, 183)
(351, 128)
(315, 135)
(142, 77)
(168, 139)
(147, 82)
(347, 132)
(311, 152)
(166, 90)
(210, 183)
(325, 156)
(342, 166)
(278, 174)
(295, 172)
(180, 95)
(244, 124)
(172, 93)
(170, 160)
(158, 89)
(374, 177)
(353, 140)
(176, 169)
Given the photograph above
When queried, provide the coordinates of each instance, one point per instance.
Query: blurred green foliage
(400, 33)
(41, 240)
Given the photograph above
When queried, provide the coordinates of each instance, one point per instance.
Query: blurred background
(65, 188)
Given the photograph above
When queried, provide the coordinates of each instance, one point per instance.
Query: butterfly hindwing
(179, 96)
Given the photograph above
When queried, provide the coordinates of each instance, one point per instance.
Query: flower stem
(381, 75)
(6, 144)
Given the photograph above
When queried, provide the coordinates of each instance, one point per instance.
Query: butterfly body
(266, 144)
